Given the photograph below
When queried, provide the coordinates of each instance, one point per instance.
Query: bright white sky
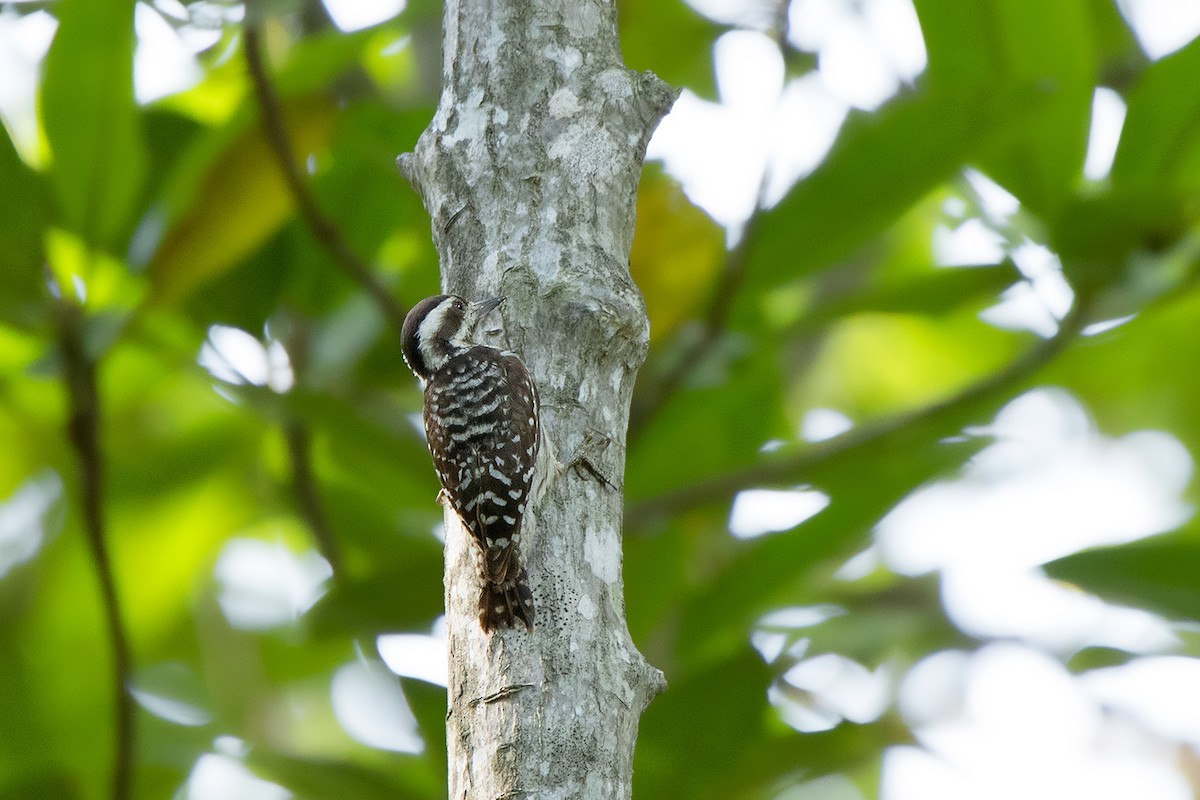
(1006, 721)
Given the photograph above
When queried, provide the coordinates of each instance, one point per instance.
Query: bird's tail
(503, 605)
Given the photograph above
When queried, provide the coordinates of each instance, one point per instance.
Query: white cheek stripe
(429, 328)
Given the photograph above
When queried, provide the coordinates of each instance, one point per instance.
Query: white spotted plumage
(481, 421)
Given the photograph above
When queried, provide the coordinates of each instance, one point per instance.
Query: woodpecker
(481, 423)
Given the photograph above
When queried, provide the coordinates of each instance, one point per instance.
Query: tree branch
(305, 490)
(794, 465)
(322, 227)
(79, 373)
(307, 495)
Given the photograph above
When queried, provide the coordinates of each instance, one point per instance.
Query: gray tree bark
(529, 171)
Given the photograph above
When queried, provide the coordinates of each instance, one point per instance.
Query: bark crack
(500, 694)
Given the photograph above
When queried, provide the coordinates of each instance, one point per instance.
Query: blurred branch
(305, 490)
(308, 498)
(295, 432)
(794, 467)
(79, 373)
(322, 227)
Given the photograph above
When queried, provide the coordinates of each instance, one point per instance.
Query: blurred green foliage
(170, 217)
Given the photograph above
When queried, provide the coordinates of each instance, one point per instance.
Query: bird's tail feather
(504, 605)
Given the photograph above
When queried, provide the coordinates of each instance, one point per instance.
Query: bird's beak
(485, 307)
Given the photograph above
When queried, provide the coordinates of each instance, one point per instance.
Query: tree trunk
(529, 171)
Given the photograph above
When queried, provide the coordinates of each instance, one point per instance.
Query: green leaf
(714, 735)
(688, 61)
(1096, 236)
(91, 120)
(881, 165)
(327, 779)
(56, 783)
(1159, 148)
(776, 568)
(428, 704)
(1117, 47)
(1090, 658)
(692, 733)
(403, 594)
(938, 292)
(25, 211)
(902, 619)
(234, 203)
(787, 757)
(676, 254)
(1047, 46)
(319, 59)
(1000, 46)
(893, 460)
(1156, 574)
(957, 65)
(733, 437)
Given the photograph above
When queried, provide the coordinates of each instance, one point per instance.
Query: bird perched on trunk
(481, 422)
